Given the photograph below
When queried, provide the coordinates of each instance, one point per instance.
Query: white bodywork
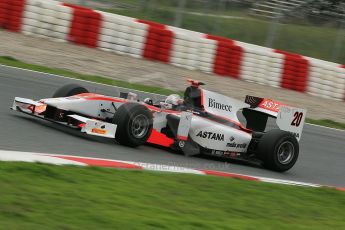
(291, 119)
(76, 104)
(217, 136)
(208, 133)
(221, 105)
(83, 105)
(96, 128)
(184, 125)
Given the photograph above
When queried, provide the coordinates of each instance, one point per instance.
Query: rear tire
(134, 124)
(69, 90)
(278, 150)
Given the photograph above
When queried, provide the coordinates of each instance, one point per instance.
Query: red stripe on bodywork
(228, 57)
(103, 98)
(154, 108)
(225, 174)
(101, 163)
(95, 97)
(295, 71)
(99, 97)
(161, 139)
(88, 95)
(182, 138)
(202, 98)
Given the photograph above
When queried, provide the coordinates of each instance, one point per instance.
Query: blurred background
(314, 28)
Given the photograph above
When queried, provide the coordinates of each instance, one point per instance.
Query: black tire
(69, 90)
(128, 119)
(278, 150)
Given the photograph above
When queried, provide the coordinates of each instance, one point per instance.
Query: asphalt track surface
(322, 152)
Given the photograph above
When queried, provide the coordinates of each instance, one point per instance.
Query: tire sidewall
(124, 118)
(284, 167)
(268, 150)
(130, 123)
(69, 90)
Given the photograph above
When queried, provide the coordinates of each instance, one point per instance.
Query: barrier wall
(183, 48)
(11, 13)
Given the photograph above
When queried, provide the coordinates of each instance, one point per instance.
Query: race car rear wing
(290, 119)
(264, 105)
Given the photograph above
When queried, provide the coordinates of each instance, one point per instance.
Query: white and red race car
(203, 122)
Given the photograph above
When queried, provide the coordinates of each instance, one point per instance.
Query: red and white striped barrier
(227, 58)
(176, 46)
(11, 14)
(15, 156)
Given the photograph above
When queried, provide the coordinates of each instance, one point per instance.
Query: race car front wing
(85, 125)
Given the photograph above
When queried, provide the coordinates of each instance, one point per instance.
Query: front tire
(134, 124)
(69, 90)
(278, 150)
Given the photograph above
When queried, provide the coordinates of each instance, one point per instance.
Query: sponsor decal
(37, 109)
(297, 119)
(232, 138)
(217, 153)
(181, 144)
(99, 131)
(211, 135)
(40, 108)
(220, 153)
(270, 105)
(212, 103)
(236, 145)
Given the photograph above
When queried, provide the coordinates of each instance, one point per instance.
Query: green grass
(38, 196)
(10, 61)
(327, 123)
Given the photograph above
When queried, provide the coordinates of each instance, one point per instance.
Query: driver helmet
(148, 101)
(173, 99)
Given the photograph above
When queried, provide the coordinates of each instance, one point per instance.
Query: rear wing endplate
(291, 119)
